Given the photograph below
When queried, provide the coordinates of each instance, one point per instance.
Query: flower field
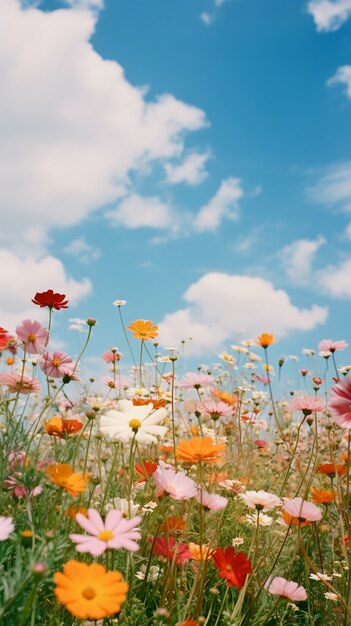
(168, 499)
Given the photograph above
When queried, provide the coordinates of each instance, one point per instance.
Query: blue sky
(191, 157)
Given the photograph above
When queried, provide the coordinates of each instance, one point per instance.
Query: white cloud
(334, 188)
(224, 204)
(82, 250)
(298, 258)
(219, 306)
(72, 127)
(334, 280)
(207, 18)
(192, 171)
(86, 4)
(137, 211)
(24, 277)
(343, 77)
(329, 15)
(348, 231)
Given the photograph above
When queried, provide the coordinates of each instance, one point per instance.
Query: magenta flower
(33, 336)
(16, 383)
(303, 510)
(328, 345)
(196, 380)
(211, 501)
(57, 365)
(340, 403)
(215, 409)
(279, 586)
(176, 484)
(6, 527)
(116, 532)
(307, 404)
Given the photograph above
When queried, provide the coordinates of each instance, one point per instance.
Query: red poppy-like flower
(4, 337)
(145, 470)
(50, 299)
(233, 567)
(168, 547)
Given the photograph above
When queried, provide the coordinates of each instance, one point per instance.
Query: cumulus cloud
(192, 171)
(343, 77)
(137, 211)
(220, 305)
(298, 257)
(24, 277)
(329, 15)
(82, 250)
(72, 127)
(224, 204)
(334, 280)
(334, 188)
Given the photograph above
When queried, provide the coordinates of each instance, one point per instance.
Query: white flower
(119, 302)
(128, 508)
(320, 576)
(260, 500)
(308, 351)
(263, 519)
(237, 541)
(6, 527)
(331, 596)
(149, 507)
(129, 422)
(153, 574)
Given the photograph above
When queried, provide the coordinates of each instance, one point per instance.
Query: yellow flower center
(135, 424)
(32, 338)
(105, 535)
(27, 533)
(55, 362)
(229, 568)
(88, 593)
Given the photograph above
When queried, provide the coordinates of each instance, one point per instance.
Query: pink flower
(328, 345)
(215, 409)
(307, 404)
(112, 356)
(17, 488)
(340, 403)
(196, 380)
(20, 384)
(116, 532)
(279, 586)
(57, 365)
(211, 501)
(303, 510)
(168, 547)
(33, 336)
(6, 527)
(260, 500)
(176, 484)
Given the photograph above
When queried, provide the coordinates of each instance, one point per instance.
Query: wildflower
(119, 302)
(227, 398)
(168, 548)
(260, 500)
(307, 404)
(112, 356)
(340, 403)
(33, 336)
(128, 508)
(289, 589)
(302, 510)
(331, 469)
(211, 501)
(157, 403)
(176, 484)
(196, 380)
(146, 469)
(50, 299)
(328, 345)
(200, 552)
(73, 510)
(188, 622)
(329, 595)
(6, 527)
(259, 518)
(323, 496)
(233, 567)
(319, 576)
(265, 340)
(56, 365)
(64, 476)
(3, 338)
(153, 574)
(215, 409)
(129, 422)
(17, 383)
(143, 330)
(116, 532)
(237, 541)
(59, 427)
(89, 591)
(173, 524)
(199, 449)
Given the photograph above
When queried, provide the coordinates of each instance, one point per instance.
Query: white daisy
(129, 422)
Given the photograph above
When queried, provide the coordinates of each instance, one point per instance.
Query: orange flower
(166, 449)
(265, 340)
(199, 449)
(188, 622)
(58, 427)
(224, 396)
(62, 475)
(294, 521)
(200, 552)
(73, 510)
(331, 470)
(157, 403)
(324, 496)
(173, 524)
(89, 591)
(143, 329)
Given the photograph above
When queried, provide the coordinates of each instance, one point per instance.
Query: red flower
(52, 300)
(168, 547)
(145, 470)
(233, 567)
(3, 337)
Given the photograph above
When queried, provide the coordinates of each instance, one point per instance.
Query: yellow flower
(143, 329)
(64, 476)
(200, 552)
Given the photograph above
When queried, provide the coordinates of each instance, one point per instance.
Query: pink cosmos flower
(116, 532)
(340, 403)
(57, 365)
(211, 501)
(112, 356)
(307, 404)
(33, 336)
(176, 484)
(215, 409)
(303, 510)
(279, 586)
(328, 345)
(6, 527)
(196, 380)
(17, 488)
(260, 500)
(16, 383)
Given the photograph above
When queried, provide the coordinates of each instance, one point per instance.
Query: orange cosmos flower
(89, 591)
(224, 396)
(199, 449)
(265, 340)
(294, 521)
(58, 427)
(73, 510)
(200, 552)
(157, 403)
(331, 470)
(173, 524)
(188, 622)
(63, 475)
(324, 496)
(143, 329)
